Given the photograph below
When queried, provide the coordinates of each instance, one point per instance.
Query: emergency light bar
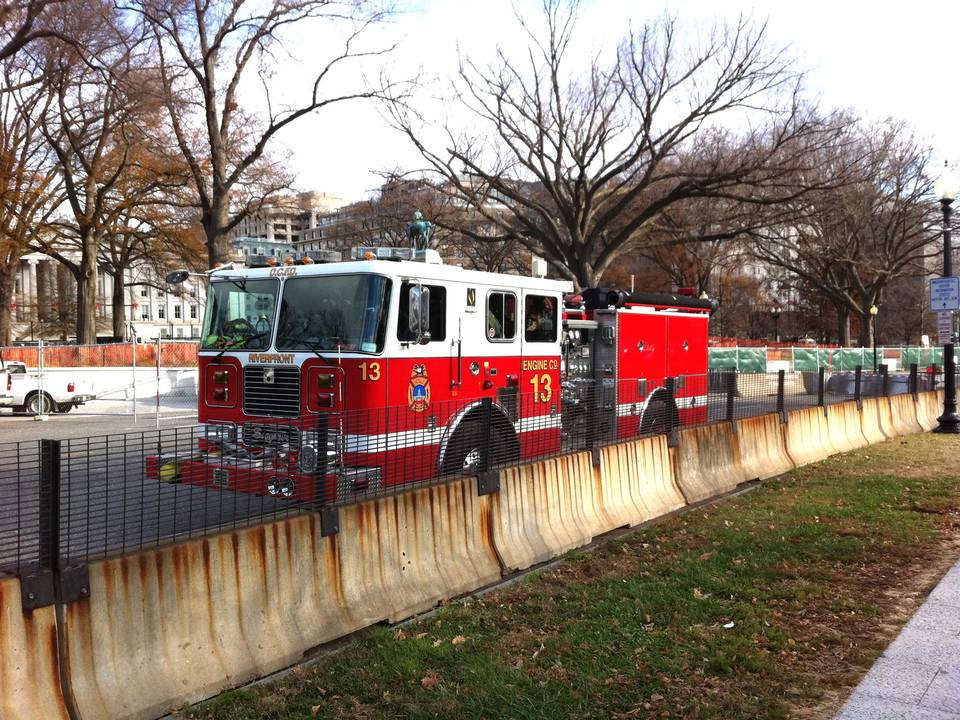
(396, 253)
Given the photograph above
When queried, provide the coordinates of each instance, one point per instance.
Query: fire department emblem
(418, 390)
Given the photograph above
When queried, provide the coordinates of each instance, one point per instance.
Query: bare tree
(585, 165)
(207, 51)
(849, 244)
(100, 116)
(27, 184)
(24, 21)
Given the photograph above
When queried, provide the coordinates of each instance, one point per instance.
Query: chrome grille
(279, 398)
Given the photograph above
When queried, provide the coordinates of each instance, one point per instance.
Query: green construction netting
(754, 360)
(746, 360)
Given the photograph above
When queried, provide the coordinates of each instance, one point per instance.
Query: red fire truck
(332, 380)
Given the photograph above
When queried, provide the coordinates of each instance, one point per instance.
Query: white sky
(885, 58)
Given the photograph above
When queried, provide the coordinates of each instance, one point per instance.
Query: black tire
(38, 404)
(463, 450)
(660, 417)
(64, 408)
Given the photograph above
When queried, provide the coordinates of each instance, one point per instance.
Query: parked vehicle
(26, 391)
(330, 381)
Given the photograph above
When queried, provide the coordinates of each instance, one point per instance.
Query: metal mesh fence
(111, 494)
(153, 382)
(19, 505)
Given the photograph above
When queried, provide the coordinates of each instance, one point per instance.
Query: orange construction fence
(172, 354)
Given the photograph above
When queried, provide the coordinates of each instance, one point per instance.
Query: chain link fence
(152, 382)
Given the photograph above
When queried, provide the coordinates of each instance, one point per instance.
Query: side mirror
(418, 313)
(177, 277)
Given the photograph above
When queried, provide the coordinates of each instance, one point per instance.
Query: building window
(177, 312)
(179, 332)
(193, 312)
(145, 313)
(162, 312)
(144, 292)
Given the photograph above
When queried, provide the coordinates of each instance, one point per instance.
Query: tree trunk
(87, 292)
(7, 274)
(843, 326)
(219, 246)
(65, 280)
(867, 337)
(119, 310)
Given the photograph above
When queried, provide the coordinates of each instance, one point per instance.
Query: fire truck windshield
(330, 312)
(240, 314)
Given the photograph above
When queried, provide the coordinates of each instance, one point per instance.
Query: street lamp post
(949, 422)
(775, 314)
(873, 333)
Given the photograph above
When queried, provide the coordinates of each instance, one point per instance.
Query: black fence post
(858, 385)
(914, 380)
(329, 511)
(781, 400)
(821, 382)
(488, 481)
(38, 587)
(49, 547)
(730, 379)
(883, 381)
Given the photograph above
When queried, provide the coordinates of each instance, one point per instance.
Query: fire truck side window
(501, 316)
(540, 318)
(438, 313)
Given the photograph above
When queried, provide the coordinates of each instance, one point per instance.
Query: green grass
(806, 568)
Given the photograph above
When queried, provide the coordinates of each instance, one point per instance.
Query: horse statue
(419, 232)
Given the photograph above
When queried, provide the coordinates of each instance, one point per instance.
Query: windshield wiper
(311, 346)
(244, 341)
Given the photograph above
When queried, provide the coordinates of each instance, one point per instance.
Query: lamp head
(946, 185)
(874, 310)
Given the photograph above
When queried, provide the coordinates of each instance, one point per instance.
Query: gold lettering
(271, 358)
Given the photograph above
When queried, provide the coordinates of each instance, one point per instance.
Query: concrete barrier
(620, 486)
(29, 659)
(708, 462)
(533, 518)
(179, 624)
(903, 414)
(638, 481)
(807, 438)
(870, 416)
(844, 427)
(929, 408)
(763, 447)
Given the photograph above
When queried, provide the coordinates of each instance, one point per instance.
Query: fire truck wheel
(660, 417)
(463, 452)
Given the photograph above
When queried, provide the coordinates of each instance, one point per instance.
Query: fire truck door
(642, 360)
(539, 382)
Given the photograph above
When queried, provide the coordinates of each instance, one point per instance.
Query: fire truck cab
(332, 380)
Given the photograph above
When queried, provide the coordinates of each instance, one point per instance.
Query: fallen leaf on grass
(314, 710)
(458, 640)
(429, 681)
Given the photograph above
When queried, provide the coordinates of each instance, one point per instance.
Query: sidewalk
(918, 675)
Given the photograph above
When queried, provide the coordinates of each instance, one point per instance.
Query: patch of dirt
(901, 585)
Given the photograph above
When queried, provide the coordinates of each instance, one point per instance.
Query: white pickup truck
(23, 391)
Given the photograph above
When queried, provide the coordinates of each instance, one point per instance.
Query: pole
(158, 382)
(133, 351)
(949, 422)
